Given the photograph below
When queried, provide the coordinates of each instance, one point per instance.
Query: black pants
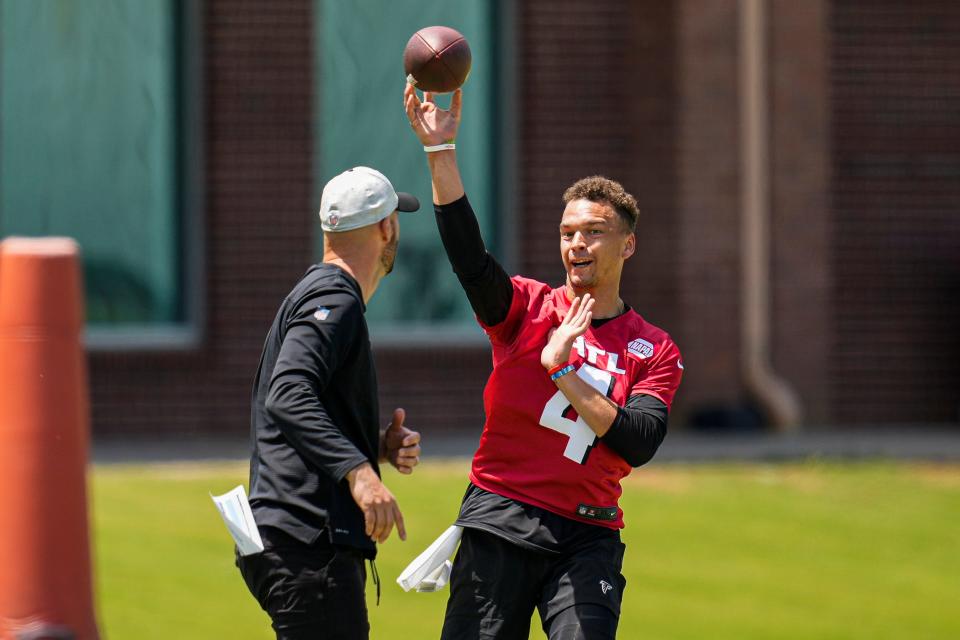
(310, 592)
(495, 586)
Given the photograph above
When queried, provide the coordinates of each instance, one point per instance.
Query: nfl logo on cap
(359, 197)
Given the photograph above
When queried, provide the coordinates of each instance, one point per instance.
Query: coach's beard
(389, 256)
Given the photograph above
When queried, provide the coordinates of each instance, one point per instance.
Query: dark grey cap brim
(407, 202)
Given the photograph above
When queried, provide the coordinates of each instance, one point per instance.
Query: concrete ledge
(905, 443)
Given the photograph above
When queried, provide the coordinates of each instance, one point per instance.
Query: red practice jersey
(534, 447)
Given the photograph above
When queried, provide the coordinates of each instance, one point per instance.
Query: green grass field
(808, 550)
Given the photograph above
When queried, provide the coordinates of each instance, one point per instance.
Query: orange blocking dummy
(46, 588)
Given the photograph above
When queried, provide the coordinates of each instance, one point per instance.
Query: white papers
(235, 511)
(436, 580)
(431, 569)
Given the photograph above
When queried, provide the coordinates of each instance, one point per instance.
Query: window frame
(188, 334)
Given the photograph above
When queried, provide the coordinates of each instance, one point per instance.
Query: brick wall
(708, 201)
(258, 83)
(863, 140)
(895, 200)
(799, 207)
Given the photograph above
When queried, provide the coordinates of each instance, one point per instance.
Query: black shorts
(309, 591)
(496, 585)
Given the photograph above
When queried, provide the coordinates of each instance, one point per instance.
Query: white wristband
(446, 146)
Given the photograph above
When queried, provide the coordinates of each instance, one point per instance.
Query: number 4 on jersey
(581, 437)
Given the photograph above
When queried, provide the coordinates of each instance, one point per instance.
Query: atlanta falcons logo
(605, 586)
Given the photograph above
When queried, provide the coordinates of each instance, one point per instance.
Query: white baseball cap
(358, 197)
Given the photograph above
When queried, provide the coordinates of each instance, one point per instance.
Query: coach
(315, 487)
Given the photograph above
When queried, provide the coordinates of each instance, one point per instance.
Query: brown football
(437, 59)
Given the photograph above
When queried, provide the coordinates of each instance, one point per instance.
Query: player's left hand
(399, 445)
(561, 339)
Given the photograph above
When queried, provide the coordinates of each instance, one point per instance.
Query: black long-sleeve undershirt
(640, 426)
(638, 430)
(485, 282)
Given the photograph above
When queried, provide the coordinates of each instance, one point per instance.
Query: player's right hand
(380, 509)
(432, 124)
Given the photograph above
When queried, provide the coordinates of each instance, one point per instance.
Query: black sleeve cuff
(638, 430)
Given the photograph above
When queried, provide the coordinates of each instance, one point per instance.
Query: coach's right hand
(380, 508)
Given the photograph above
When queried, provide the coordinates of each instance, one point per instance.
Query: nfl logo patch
(321, 313)
(640, 348)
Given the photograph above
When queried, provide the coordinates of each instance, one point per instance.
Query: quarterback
(579, 395)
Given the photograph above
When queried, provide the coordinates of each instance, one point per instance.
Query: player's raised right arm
(487, 285)
(435, 126)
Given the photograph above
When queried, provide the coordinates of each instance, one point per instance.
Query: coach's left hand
(400, 446)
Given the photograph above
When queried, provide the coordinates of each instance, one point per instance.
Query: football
(437, 59)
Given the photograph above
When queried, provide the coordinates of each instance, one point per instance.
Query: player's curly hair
(601, 189)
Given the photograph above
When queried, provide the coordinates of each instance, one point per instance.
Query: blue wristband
(567, 369)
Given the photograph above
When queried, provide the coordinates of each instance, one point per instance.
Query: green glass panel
(88, 147)
(360, 121)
